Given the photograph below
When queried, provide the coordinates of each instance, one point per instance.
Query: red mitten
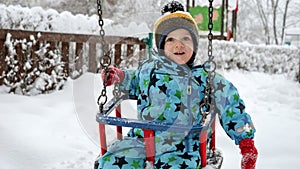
(249, 153)
(115, 75)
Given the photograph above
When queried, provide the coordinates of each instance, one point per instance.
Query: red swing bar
(149, 145)
(103, 144)
(119, 128)
(203, 143)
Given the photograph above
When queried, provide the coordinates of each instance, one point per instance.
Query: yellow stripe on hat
(178, 14)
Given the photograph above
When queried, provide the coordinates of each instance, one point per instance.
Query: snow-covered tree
(30, 71)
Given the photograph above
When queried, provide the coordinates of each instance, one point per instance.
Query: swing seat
(211, 157)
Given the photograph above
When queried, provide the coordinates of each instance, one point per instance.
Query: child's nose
(179, 43)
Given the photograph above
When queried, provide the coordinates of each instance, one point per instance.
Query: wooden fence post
(92, 58)
(65, 47)
(118, 54)
(2, 60)
(299, 72)
(79, 58)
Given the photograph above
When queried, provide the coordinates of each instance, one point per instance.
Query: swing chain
(210, 67)
(105, 60)
(101, 21)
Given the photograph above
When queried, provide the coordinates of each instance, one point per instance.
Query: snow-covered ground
(59, 131)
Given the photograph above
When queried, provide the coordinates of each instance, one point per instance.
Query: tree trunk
(274, 10)
(284, 23)
(264, 19)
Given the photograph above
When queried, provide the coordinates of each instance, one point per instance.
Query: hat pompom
(172, 7)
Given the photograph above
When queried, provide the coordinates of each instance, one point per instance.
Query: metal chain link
(105, 62)
(210, 67)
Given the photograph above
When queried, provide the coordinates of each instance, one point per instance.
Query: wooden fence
(76, 50)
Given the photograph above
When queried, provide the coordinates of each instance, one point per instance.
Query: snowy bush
(29, 71)
(39, 19)
(271, 59)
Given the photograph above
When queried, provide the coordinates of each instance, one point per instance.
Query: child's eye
(186, 38)
(170, 39)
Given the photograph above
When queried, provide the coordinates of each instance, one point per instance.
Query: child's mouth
(179, 53)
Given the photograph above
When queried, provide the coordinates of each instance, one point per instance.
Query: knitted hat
(173, 17)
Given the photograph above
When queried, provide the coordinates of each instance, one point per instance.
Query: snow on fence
(25, 55)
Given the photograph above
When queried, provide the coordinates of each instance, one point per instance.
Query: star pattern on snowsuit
(153, 81)
(180, 107)
(144, 97)
(183, 165)
(195, 147)
(139, 101)
(231, 125)
(180, 147)
(171, 159)
(167, 166)
(141, 98)
(161, 117)
(241, 107)
(107, 158)
(185, 156)
(136, 164)
(168, 105)
(148, 117)
(120, 161)
(250, 132)
(146, 82)
(220, 86)
(163, 88)
(178, 94)
(236, 97)
(159, 164)
(198, 161)
(230, 113)
(167, 78)
(199, 80)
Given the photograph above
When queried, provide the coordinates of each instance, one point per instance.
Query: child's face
(179, 46)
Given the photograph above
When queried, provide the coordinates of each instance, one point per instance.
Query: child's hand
(249, 153)
(115, 75)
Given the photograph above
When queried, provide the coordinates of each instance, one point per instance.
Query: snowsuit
(172, 93)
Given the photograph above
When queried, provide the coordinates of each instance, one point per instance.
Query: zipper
(190, 114)
(189, 90)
